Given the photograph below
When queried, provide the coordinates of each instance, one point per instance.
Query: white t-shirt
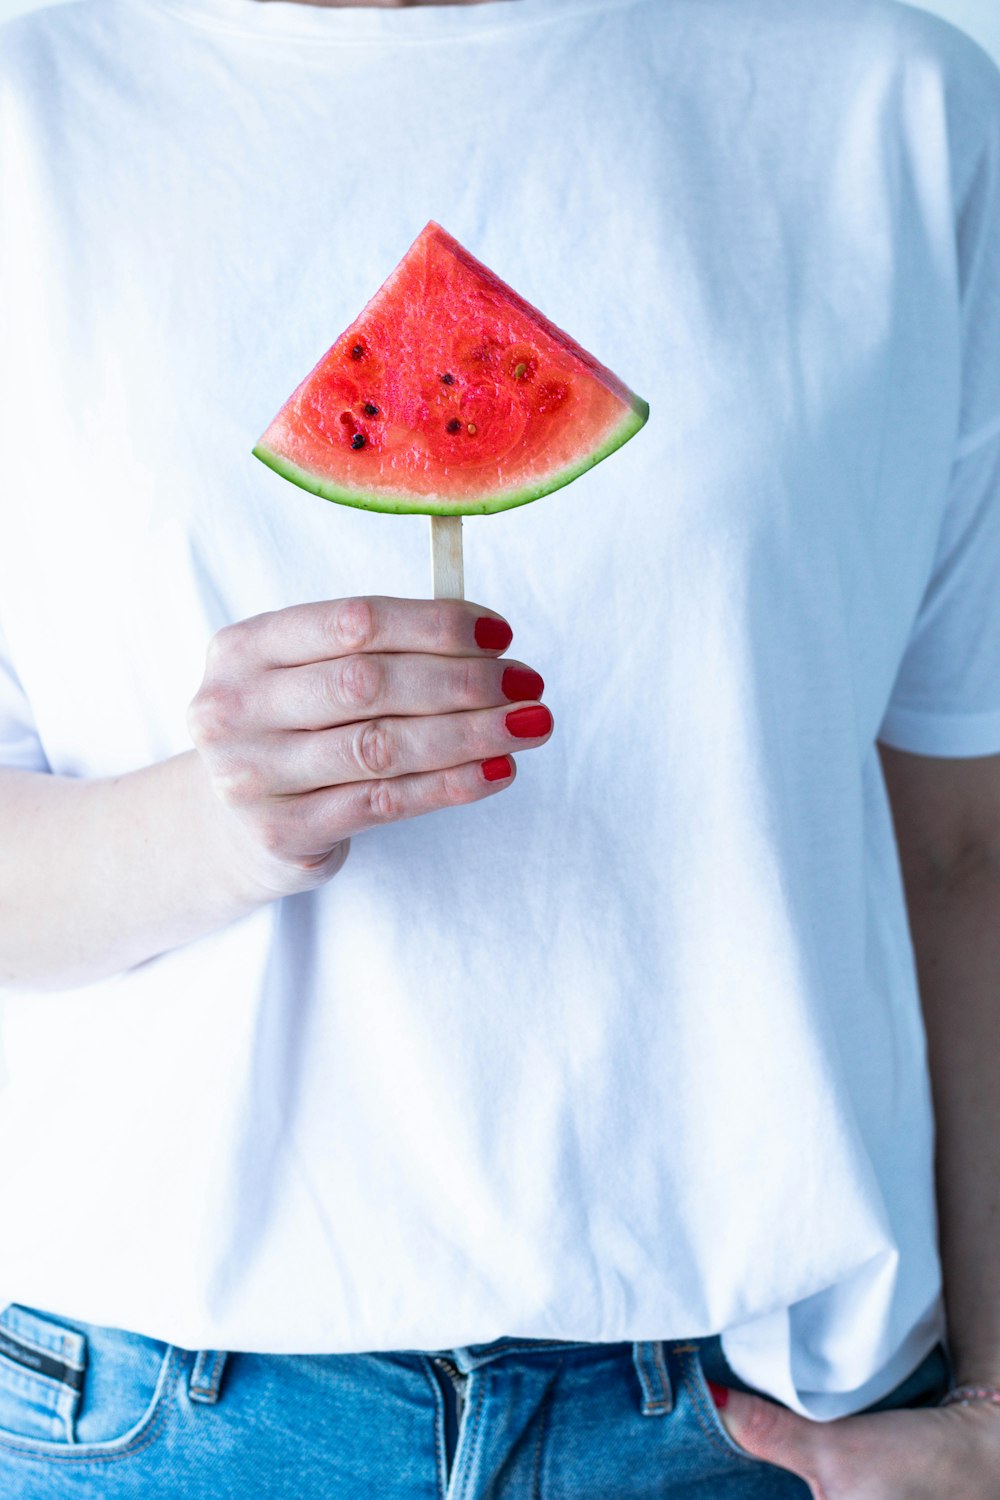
(634, 1049)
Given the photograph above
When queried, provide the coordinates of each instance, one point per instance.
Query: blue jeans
(110, 1415)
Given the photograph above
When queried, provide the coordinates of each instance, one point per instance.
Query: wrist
(245, 874)
(972, 1396)
(231, 861)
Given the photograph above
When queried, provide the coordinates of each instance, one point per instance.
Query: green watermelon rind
(432, 505)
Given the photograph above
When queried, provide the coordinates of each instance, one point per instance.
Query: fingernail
(719, 1393)
(520, 682)
(493, 635)
(526, 723)
(497, 768)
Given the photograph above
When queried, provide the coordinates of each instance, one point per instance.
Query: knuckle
(372, 747)
(193, 720)
(456, 788)
(296, 819)
(473, 736)
(763, 1424)
(212, 713)
(354, 622)
(240, 783)
(358, 682)
(273, 834)
(449, 620)
(385, 801)
(468, 682)
(224, 646)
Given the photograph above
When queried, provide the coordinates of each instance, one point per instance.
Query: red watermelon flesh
(449, 395)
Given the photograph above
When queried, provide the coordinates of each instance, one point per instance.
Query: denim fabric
(97, 1412)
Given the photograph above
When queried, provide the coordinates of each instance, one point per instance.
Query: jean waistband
(470, 1357)
(649, 1357)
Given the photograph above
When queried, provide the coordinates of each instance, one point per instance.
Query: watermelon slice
(449, 396)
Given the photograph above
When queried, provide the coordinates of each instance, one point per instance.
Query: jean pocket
(706, 1409)
(72, 1391)
(924, 1386)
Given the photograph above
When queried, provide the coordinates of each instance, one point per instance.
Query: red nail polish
(526, 723)
(719, 1393)
(520, 682)
(497, 768)
(493, 635)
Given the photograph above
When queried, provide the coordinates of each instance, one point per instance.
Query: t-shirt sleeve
(20, 745)
(946, 696)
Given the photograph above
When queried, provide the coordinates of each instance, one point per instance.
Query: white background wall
(981, 18)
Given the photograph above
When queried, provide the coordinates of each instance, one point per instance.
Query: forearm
(98, 875)
(955, 920)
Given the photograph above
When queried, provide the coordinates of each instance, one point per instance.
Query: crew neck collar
(289, 20)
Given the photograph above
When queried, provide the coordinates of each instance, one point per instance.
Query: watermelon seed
(370, 409)
(448, 379)
(454, 425)
(357, 351)
(472, 429)
(358, 440)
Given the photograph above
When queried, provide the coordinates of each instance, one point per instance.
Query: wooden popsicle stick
(446, 557)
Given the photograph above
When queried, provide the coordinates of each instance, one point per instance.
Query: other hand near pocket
(947, 1453)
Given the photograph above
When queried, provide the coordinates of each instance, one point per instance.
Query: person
(371, 1127)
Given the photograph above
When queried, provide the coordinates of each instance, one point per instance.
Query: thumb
(769, 1431)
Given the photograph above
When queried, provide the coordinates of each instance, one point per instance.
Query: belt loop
(206, 1376)
(654, 1378)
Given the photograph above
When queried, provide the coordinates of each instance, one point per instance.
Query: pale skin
(312, 724)
(322, 721)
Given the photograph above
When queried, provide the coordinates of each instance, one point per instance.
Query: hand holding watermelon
(449, 396)
(320, 720)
